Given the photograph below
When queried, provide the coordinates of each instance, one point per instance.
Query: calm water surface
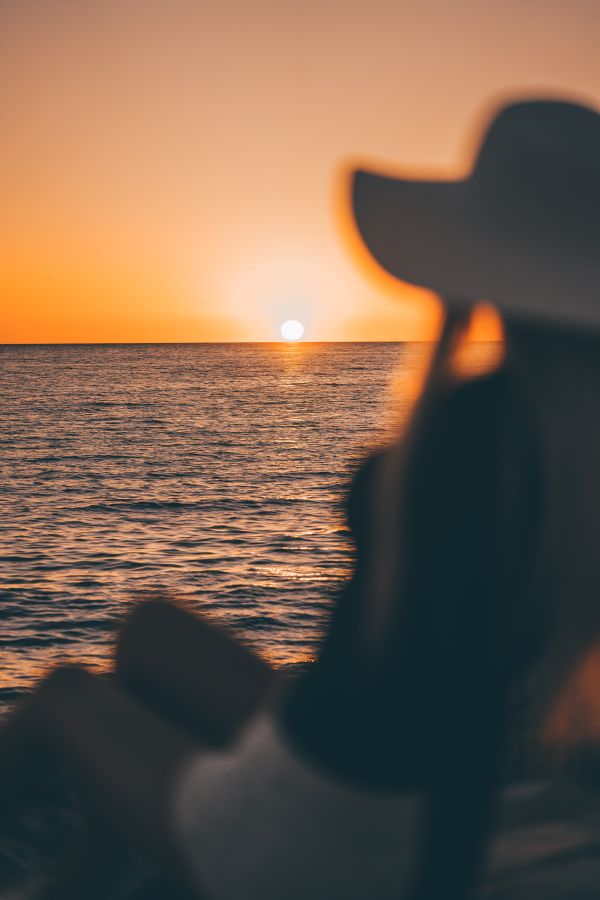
(217, 472)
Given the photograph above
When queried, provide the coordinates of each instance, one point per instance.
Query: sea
(214, 474)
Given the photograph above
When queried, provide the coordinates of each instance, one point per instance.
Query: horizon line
(199, 343)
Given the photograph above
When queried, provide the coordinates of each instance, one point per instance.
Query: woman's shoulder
(470, 417)
(471, 457)
(474, 408)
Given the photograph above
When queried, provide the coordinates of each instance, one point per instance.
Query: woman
(474, 596)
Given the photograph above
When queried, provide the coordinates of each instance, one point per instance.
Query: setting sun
(292, 330)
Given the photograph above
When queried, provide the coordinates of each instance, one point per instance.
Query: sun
(292, 330)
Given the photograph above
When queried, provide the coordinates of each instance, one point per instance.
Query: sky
(174, 170)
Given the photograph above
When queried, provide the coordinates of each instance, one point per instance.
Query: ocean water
(217, 473)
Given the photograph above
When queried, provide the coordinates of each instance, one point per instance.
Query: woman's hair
(555, 378)
(559, 377)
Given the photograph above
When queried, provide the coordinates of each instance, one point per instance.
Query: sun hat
(522, 231)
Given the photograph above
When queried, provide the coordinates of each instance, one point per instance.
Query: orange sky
(168, 167)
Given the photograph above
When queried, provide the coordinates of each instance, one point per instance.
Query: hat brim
(431, 234)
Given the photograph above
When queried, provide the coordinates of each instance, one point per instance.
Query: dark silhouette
(459, 654)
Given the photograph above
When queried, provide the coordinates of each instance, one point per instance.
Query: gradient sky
(168, 168)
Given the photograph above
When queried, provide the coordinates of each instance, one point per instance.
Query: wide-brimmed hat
(522, 231)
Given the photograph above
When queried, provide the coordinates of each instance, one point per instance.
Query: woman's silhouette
(471, 625)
